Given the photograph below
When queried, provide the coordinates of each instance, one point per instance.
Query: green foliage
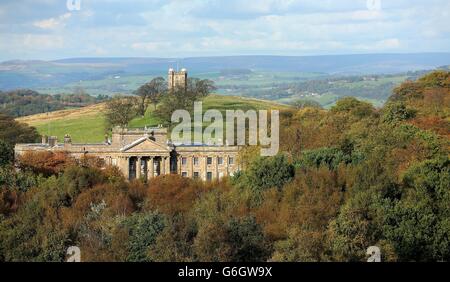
(237, 240)
(13, 132)
(21, 181)
(142, 230)
(246, 240)
(354, 107)
(6, 153)
(183, 99)
(303, 103)
(418, 225)
(24, 102)
(268, 172)
(150, 92)
(119, 111)
(397, 112)
(436, 79)
(329, 157)
(25, 237)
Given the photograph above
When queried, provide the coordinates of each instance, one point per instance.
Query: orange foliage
(9, 201)
(312, 199)
(46, 163)
(436, 124)
(174, 194)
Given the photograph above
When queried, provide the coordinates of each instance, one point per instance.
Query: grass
(87, 125)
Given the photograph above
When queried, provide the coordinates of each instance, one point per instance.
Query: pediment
(145, 145)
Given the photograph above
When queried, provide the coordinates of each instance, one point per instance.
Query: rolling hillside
(88, 125)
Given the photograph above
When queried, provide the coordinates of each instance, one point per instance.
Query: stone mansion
(143, 153)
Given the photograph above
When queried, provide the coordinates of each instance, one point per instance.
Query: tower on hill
(177, 79)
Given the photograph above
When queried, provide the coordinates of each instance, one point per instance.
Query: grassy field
(87, 125)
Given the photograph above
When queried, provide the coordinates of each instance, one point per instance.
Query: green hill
(87, 124)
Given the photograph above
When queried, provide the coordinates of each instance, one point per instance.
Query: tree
(142, 231)
(397, 112)
(120, 111)
(45, 162)
(268, 172)
(6, 153)
(183, 99)
(238, 240)
(353, 106)
(150, 91)
(13, 132)
(418, 224)
(304, 103)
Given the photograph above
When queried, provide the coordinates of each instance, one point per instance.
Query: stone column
(126, 161)
(227, 170)
(205, 173)
(168, 165)
(163, 165)
(191, 173)
(179, 165)
(138, 168)
(152, 167)
(216, 167)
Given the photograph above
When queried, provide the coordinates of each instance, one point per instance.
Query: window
(209, 160)
(184, 174)
(230, 161)
(114, 162)
(183, 161)
(209, 176)
(195, 161)
(196, 174)
(220, 160)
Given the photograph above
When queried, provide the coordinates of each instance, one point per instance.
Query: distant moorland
(279, 78)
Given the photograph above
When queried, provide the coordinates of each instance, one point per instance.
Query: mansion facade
(147, 153)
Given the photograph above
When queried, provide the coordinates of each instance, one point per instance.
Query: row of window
(197, 175)
(208, 160)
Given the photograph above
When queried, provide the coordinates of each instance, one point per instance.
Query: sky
(54, 29)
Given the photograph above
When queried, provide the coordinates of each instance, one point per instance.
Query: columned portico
(146, 167)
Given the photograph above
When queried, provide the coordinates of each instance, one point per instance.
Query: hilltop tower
(177, 79)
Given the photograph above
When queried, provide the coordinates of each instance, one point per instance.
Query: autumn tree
(183, 99)
(151, 91)
(119, 111)
(13, 132)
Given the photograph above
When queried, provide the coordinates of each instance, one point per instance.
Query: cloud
(53, 23)
(220, 27)
(43, 41)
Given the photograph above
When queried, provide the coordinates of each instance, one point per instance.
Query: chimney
(52, 141)
(107, 141)
(67, 141)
